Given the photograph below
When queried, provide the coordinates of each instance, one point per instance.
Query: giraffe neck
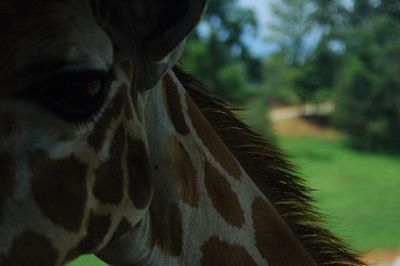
(205, 209)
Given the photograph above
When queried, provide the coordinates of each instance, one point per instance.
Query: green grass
(87, 261)
(360, 192)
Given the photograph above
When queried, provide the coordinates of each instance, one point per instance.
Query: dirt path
(289, 112)
(297, 126)
(384, 257)
(289, 120)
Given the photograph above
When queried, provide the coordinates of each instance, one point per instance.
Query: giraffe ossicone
(107, 148)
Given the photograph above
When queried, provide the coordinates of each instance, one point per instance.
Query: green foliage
(279, 81)
(228, 81)
(233, 77)
(368, 90)
(342, 178)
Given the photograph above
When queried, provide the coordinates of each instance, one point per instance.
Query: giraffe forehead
(39, 32)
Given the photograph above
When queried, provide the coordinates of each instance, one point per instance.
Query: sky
(262, 10)
(259, 46)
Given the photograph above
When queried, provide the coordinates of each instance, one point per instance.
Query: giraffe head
(74, 169)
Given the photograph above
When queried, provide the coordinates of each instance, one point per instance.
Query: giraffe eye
(74, 95)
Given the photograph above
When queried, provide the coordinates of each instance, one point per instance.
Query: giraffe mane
(271, 171)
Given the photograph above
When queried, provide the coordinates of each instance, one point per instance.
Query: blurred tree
(366, 50)
(279, 80)
(291, 31)
(356, 58)
(329, 14)
(391, 7)
(217, 53)
(318, 74)
(368, 87)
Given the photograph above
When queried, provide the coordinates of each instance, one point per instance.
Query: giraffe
(108, 148)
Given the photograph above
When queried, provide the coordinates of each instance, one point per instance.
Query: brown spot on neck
(212, 141)
(30, 249)
(183, 171)
(113, 111)
(59, 188)
(166, 229)
(175, 109)
(217, 252)
(275, 241)
(129, 111)
(128, 68)
(140, 188)
(98, 228)
(108, 187)
(7, 177)
(223, 198)
(123, 227)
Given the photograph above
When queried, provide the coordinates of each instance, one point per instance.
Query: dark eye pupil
(76, 96)
(93, 88)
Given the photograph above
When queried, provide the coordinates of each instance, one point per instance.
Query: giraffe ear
(166, 24)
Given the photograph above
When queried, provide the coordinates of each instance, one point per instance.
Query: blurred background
(322, 80)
